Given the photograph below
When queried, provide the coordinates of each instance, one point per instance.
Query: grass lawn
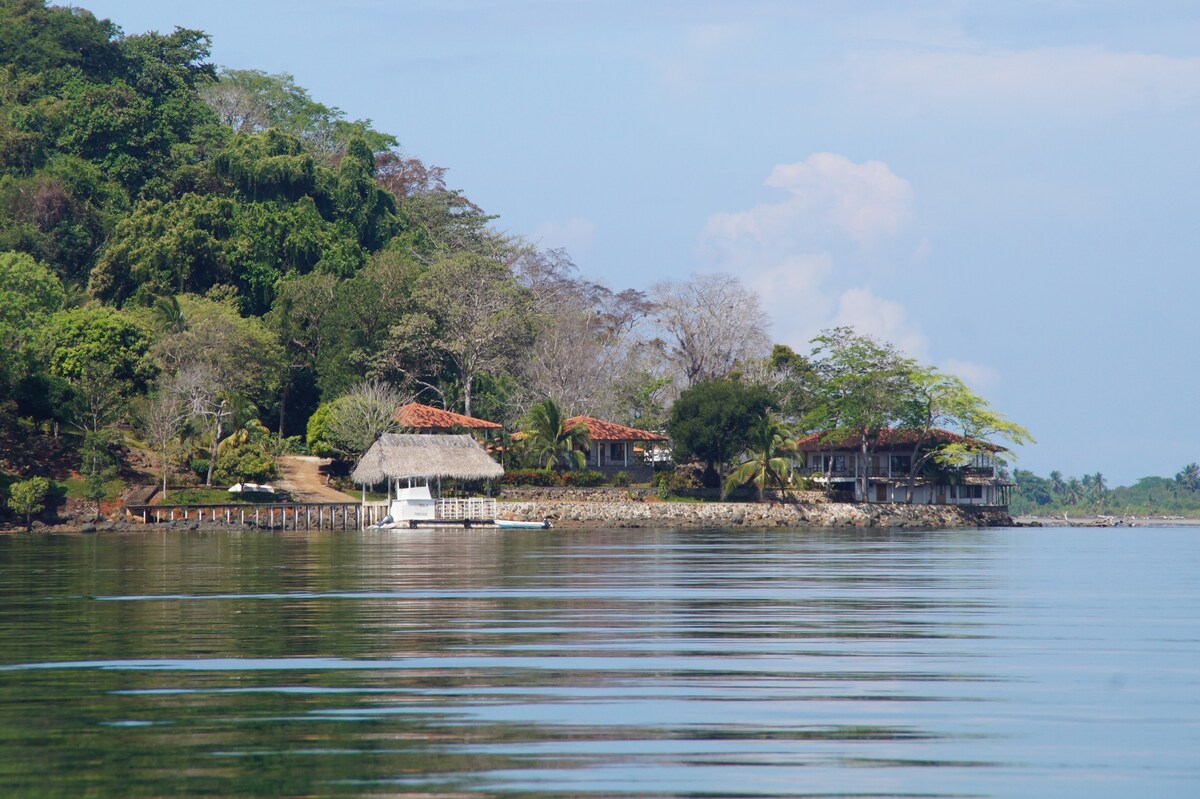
(74, 488)
(216, 496)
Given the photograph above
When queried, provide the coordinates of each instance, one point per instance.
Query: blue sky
(1006, 190)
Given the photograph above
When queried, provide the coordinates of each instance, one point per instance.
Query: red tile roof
(888, 437)
(600, 430)
(423, 417)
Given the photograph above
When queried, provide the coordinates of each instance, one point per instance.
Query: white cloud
(811, 255)
(978, 376)
(1059, 81)
(574, 234)
(804, 251)
(884, 319)
(827, 193)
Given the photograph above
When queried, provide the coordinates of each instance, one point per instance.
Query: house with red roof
(615, 447)
(427, 419)
(840, 465)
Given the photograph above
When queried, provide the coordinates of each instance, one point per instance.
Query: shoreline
(1107, 521)
(577, 514)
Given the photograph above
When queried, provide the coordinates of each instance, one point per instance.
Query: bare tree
(709, 324)
(162, 420)
(199, 387)
(356, 418)
(588, 345)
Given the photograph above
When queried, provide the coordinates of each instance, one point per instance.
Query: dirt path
(300, 476)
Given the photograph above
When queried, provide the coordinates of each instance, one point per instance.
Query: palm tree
(1073, 491)
(169, 314)
(1058, 486)
(768, 461)
(1189, 478)
(550, 442)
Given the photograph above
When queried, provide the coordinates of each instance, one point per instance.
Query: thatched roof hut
(401, 456)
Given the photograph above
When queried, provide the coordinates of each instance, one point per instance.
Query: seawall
(576, 514)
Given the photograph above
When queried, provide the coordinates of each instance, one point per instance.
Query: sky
(1007, 191)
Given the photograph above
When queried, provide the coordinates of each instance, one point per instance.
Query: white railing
(475, 508)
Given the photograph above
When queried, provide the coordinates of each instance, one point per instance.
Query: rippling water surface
(1008, 663)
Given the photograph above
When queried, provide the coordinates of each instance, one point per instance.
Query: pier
(312, 515)
(268, 516)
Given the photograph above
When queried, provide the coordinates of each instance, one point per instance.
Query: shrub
(583, 479)
(27, 498)
(622, 479)
(669, 484)
(530, 477)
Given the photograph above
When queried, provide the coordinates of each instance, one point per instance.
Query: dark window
(901, 464)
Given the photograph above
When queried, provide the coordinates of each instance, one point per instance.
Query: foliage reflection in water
(595, 663)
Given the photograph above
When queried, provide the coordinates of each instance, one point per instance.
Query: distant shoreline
(1108, 521)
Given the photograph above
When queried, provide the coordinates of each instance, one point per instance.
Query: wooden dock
(312, 515)
(267, 516)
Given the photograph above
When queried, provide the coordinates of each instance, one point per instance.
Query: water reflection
(610, 662)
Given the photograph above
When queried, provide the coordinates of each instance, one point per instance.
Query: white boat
(413, 506)
(515, 524)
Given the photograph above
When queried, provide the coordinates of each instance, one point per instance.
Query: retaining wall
(737, 514)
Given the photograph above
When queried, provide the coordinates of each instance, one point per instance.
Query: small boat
(514, 524)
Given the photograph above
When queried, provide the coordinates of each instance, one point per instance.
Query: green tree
(712, 420)
(365, 309)
(27, 498)
(942, 401)
(253, 101)
(471, 312)
(29, 293)
(867, 386)
(247, 456)
(224, 366)
(768, 461)
(97, 467)
(1189, 477)
(548, 440)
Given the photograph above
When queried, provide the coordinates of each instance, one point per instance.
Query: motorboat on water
(517, 524)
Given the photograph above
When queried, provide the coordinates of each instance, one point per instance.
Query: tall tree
(223, 364)
(1188, 478)
(867, 387)
(710, 323)
(942, 401)
(162, 419)
(472, 312)
(711, 422)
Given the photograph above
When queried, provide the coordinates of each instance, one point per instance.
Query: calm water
(1008, 663)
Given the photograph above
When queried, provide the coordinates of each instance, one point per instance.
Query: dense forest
(212, 267)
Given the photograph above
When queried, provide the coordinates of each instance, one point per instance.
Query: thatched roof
(395, 455)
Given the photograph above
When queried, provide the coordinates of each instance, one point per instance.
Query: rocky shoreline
(575, 514)
(607, 510)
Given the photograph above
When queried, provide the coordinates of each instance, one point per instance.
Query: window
(900, 464)
(616, 451)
